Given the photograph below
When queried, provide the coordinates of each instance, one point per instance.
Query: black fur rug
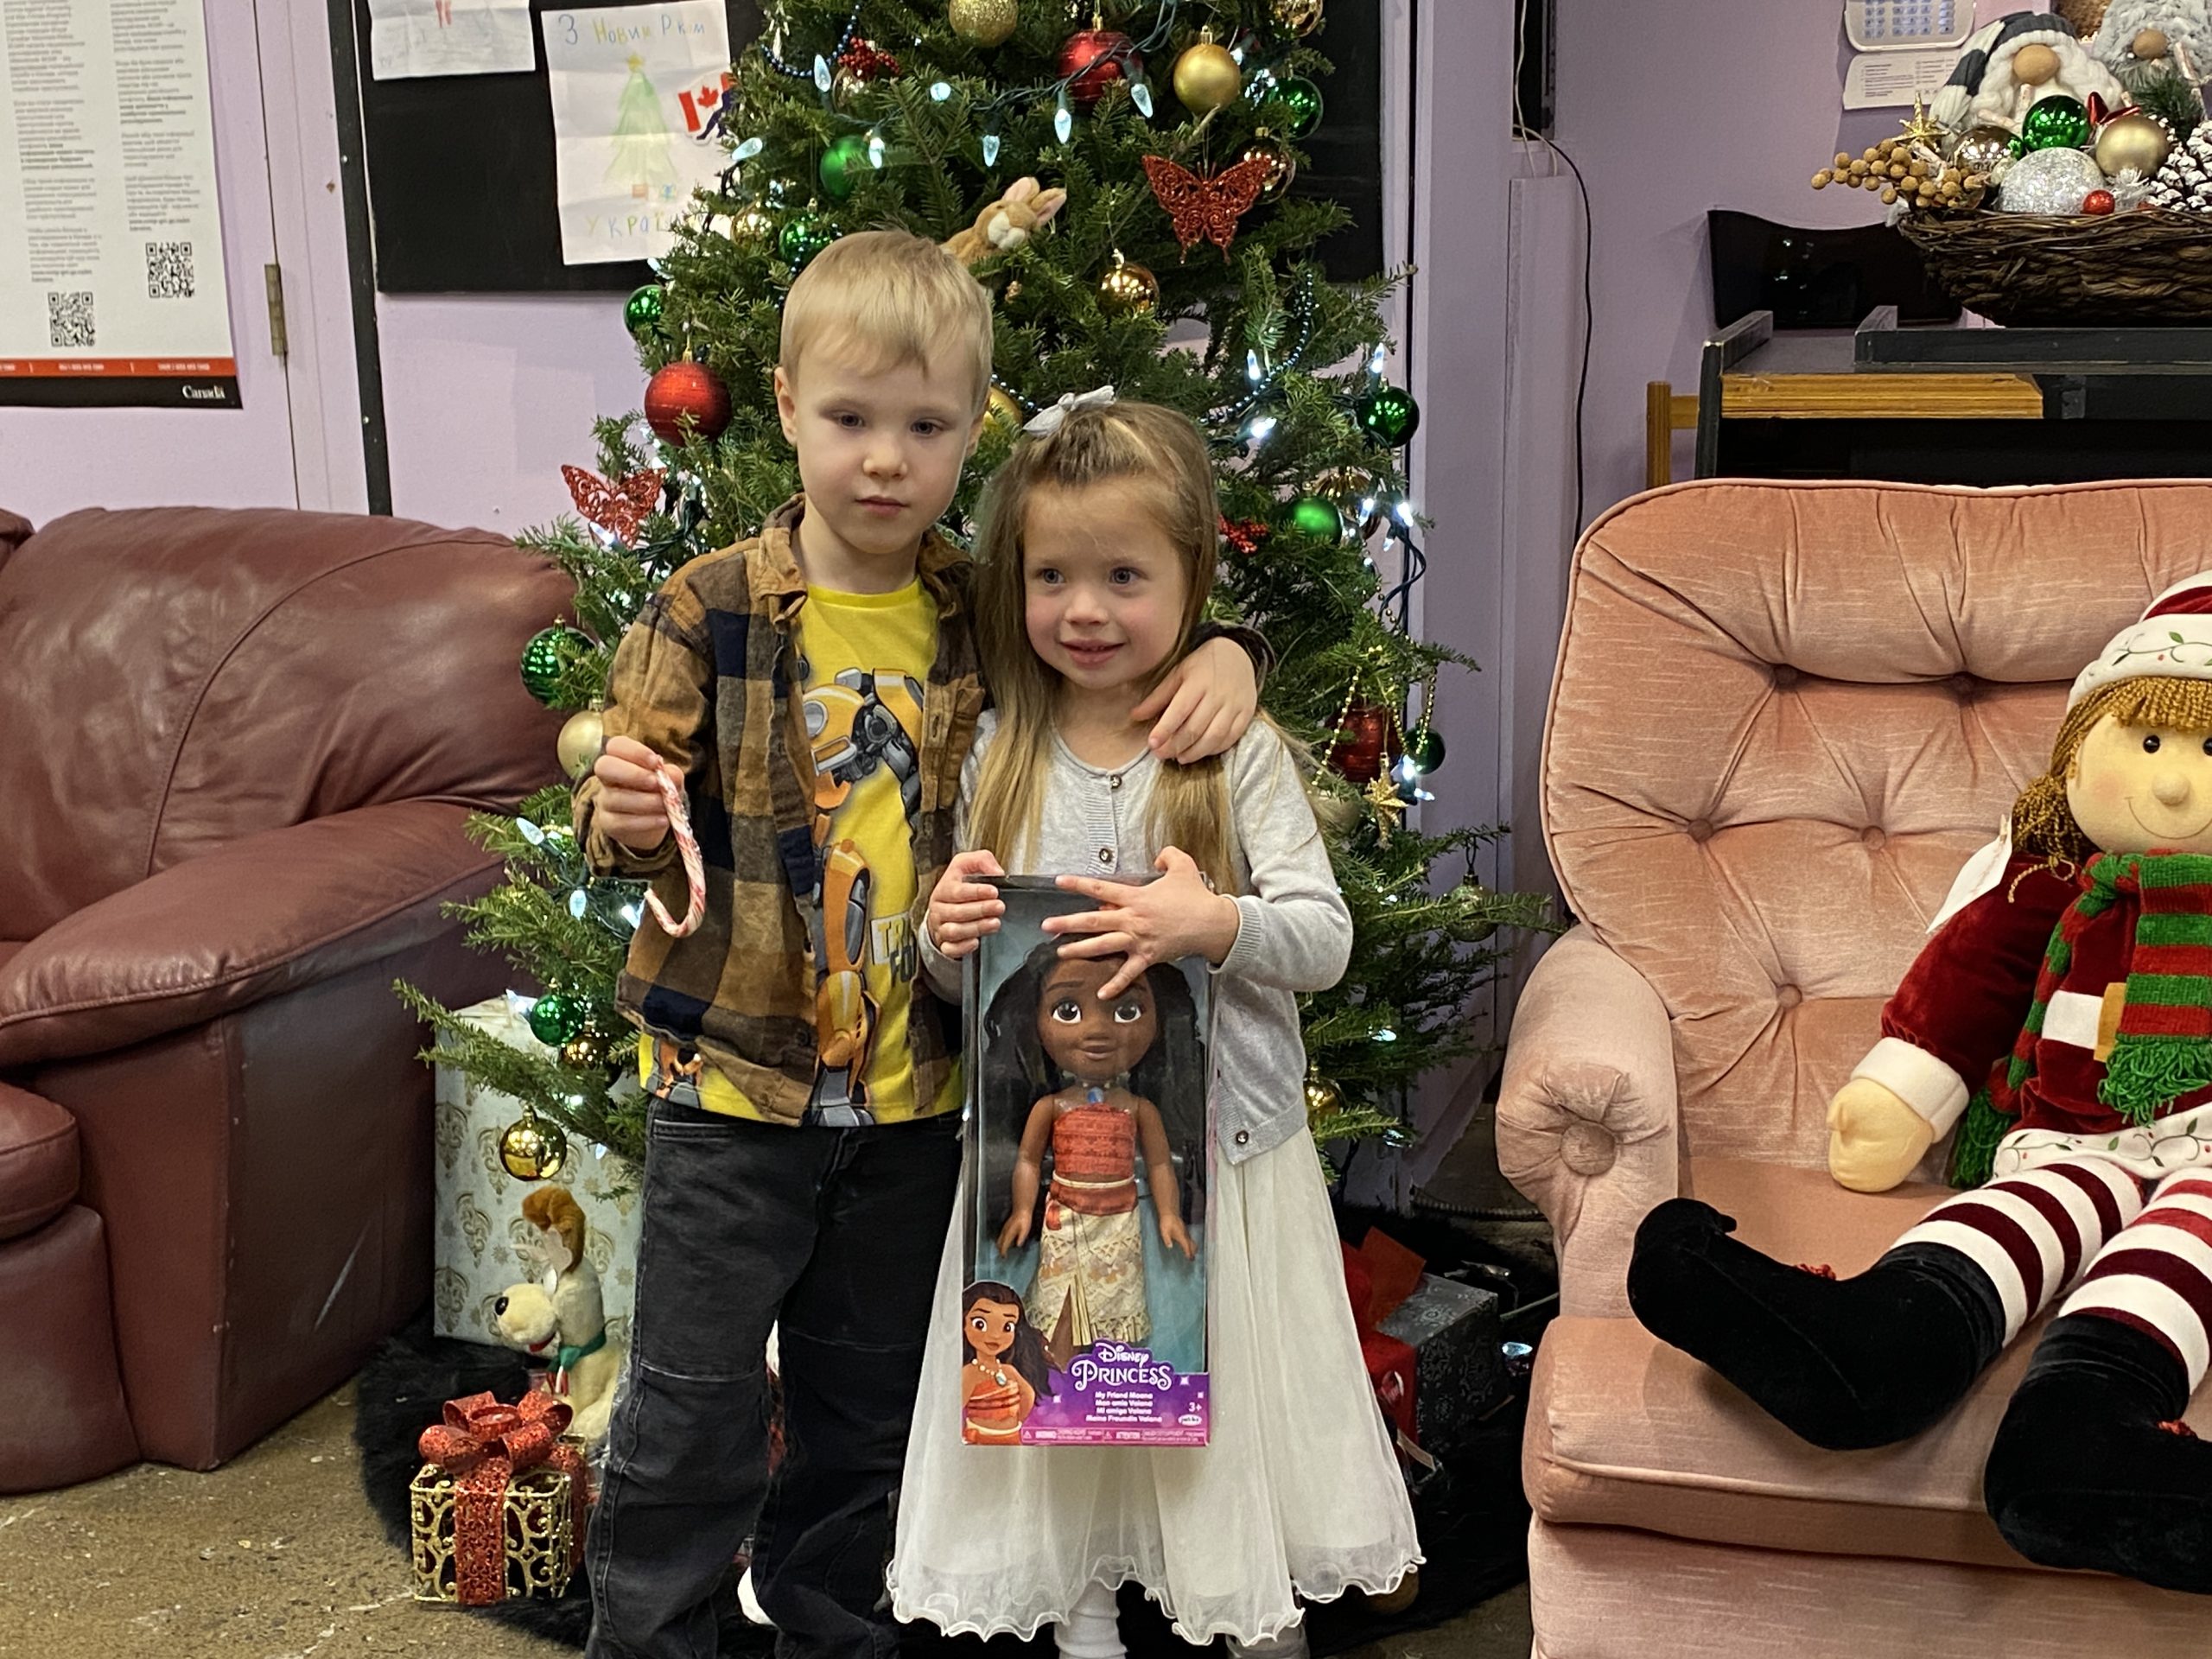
(1473, 1521)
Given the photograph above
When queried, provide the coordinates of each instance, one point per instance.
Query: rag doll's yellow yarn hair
(2042, 821)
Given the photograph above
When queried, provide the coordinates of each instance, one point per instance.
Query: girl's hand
(1176, 1237)
(1015, 1233)
(1166, 920)
(963, 909)
(1204, 705)
(630, 809)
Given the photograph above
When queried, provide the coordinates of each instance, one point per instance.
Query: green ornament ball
(641, 311)
(547, 657)
(1426, 749)
(554, 1017)
(1301, 102)
(2055, 123)
(842, 163)
(803, 237)
(1311, 515)
(1389, 415)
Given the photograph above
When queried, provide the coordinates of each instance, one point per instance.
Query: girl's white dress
(1299, 1494)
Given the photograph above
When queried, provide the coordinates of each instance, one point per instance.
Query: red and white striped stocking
(2030, 1234)
(2156, 1274)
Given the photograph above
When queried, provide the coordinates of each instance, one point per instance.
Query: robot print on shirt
(866, 730)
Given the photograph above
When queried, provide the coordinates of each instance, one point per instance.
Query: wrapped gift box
(539, 1540)
(499, 1509)
(482, 1238)
(1461, 1373)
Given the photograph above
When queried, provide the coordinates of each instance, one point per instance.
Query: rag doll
(2061, 1016)
(2137, 38)
(1100, 1085)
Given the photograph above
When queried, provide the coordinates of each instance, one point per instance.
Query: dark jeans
(836, 1233)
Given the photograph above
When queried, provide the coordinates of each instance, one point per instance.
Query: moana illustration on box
(1096, 1084)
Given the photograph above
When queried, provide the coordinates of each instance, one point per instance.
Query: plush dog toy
(2060, 1016)
(1005, 224)
(563, 1320)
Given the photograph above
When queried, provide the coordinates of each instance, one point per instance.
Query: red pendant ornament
(618, 509)
(684, 392)
(1242, 536)
(865, 60)
(1364, 748)
(1091, 59)
(1206, 206)
(2098, 201)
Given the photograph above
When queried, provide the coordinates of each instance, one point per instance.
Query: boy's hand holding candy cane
(630, 807)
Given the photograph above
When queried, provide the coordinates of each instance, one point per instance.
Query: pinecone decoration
(2184, 183)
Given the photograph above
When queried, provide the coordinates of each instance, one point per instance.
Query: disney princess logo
(1111, 1365)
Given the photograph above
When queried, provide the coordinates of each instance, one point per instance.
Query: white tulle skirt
(1297, 1495)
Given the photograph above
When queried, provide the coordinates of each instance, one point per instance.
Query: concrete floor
(276, 1556)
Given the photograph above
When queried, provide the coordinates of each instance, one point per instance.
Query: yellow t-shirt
(864, 660)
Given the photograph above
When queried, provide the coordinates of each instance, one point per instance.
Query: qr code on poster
(168, 270)
(69, 321)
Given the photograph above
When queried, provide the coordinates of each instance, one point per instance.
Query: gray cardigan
(1293, 933)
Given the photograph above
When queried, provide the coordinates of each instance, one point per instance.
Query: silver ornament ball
(2052, 181)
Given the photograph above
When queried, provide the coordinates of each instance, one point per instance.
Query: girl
(1002, 1368)
(1098, 557)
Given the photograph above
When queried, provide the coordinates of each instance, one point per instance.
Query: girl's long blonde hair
(2043, 823)
(1160, 456)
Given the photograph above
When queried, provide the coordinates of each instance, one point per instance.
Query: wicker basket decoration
(2027, 270)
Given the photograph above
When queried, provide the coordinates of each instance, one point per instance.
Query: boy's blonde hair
(2042, 822)
(1160, 458)
(893, 297)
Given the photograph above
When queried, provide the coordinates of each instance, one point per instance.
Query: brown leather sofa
(237, 750)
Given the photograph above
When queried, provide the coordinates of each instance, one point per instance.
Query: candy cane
(687, 846)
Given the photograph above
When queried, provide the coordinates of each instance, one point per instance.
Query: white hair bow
(1049, 419)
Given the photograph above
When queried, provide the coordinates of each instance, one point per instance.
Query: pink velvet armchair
(1784, 715)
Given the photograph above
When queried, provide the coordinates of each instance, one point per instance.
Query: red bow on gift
(483, 1445)
(1378, 1275)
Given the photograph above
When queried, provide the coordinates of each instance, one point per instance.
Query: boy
(816, 689)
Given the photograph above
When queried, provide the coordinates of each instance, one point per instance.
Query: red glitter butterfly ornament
(616, 508)
(1207, 204)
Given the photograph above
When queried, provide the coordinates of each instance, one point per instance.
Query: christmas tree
(640, 161)
(1174, 130)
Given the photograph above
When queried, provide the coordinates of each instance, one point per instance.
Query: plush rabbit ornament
(1005, 224)
(2060, 1016)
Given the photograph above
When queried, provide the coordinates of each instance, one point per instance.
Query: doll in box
(2061, 1016)
(1096, 1084)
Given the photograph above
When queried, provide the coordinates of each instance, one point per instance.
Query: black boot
(1844, 1364)
(2083, 1473)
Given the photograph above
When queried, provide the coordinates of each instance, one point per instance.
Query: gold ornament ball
(532, 1150)
(585, 1050)
(1002, 416)
(1282, 168)
(1207, 78)
(981, 22)
(579, 742)
(1322, 1098)
(2136, 140)
(1128, 290)
(1984, 150)
(1299, 17)
(752, 225)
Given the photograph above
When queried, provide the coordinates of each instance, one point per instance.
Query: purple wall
(1670, 110)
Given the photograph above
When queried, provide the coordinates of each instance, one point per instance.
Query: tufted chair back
(1784, 715)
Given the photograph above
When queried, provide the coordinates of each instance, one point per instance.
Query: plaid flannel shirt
(704, 678)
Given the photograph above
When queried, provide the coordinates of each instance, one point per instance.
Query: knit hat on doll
(2174, 639)
(1987, 84)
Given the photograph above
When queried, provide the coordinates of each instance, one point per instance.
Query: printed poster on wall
(111, 287)
(633, 89)
(450, 37)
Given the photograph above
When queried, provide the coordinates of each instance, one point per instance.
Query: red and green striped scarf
(2163, 1047)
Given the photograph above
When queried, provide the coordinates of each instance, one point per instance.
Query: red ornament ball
(683, 393)
(1366, 747)
(2097, 201)
(1097, 58)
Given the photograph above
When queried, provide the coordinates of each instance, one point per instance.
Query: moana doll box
(1084, 1318)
